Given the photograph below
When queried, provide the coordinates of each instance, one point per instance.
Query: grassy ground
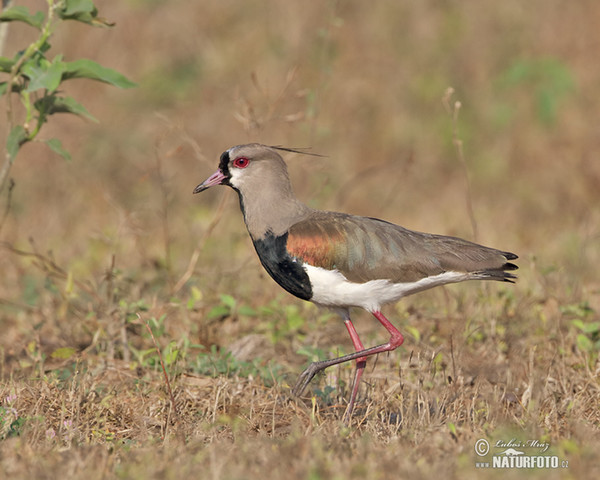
(94, 249)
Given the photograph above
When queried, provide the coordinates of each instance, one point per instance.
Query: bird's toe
(305, 378)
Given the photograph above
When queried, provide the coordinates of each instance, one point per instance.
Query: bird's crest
(300, 150)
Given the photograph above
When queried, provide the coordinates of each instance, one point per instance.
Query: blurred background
(363, 83)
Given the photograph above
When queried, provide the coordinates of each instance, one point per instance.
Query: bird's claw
(305, 378)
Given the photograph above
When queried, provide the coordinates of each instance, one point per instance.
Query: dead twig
(196, 253)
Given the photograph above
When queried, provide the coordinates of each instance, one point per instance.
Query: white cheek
(237, 179)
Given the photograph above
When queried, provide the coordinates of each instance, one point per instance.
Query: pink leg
(396, 339)
(361, 363)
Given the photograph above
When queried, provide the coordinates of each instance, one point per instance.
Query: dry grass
(87, 246)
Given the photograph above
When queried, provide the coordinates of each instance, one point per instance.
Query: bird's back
(364, 249)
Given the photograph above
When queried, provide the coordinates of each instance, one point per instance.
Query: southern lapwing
(338, 260)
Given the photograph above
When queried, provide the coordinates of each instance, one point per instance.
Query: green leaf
(218, 311)
(584, 343)
(63, 353)
(248, 311)
(21, 14)
(3, 88)
(85, 68)
(16, 138)
(437, 361)
(228, 300)
(16, 427)
(70, 105)
(6, 64)
(581, 309)
(83, 11)
(44, 74)
(51, 104)
(56, 146)
(587, 327)
(73, 7)
(171, 354)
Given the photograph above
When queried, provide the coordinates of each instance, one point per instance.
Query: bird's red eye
(241, 162)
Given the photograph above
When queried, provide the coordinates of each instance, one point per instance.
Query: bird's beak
(215, 179)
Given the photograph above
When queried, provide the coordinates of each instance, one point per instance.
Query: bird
(341, 261)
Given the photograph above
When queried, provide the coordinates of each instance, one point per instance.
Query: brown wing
(366, 249)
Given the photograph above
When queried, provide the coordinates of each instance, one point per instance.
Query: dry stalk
(173, 406)
(196, 253)
(453, 111)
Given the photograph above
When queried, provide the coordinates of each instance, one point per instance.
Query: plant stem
(15, 74)
(458, 145)
(4, 26)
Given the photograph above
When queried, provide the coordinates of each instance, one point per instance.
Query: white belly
(332, 289)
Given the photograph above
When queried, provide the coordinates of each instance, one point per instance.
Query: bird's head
(249, 168)
(260, 177)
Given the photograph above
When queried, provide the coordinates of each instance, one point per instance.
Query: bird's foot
(307, 375)
(305, 378)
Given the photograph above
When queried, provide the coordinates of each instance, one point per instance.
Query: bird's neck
(272, 214)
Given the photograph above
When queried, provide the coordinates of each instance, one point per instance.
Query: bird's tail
(500, 274)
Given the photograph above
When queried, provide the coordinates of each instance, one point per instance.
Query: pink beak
(215, 179)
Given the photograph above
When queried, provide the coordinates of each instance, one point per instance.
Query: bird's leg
(361, 363)
(396, 338)
(395, 341)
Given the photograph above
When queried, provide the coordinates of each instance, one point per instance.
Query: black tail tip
(509, 277)
(510, 266)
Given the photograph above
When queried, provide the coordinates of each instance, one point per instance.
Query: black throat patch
(224, 167)
(282, 267)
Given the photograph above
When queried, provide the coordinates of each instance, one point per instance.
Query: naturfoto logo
(516, 453)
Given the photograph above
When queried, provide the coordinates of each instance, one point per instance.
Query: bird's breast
(283, 268)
